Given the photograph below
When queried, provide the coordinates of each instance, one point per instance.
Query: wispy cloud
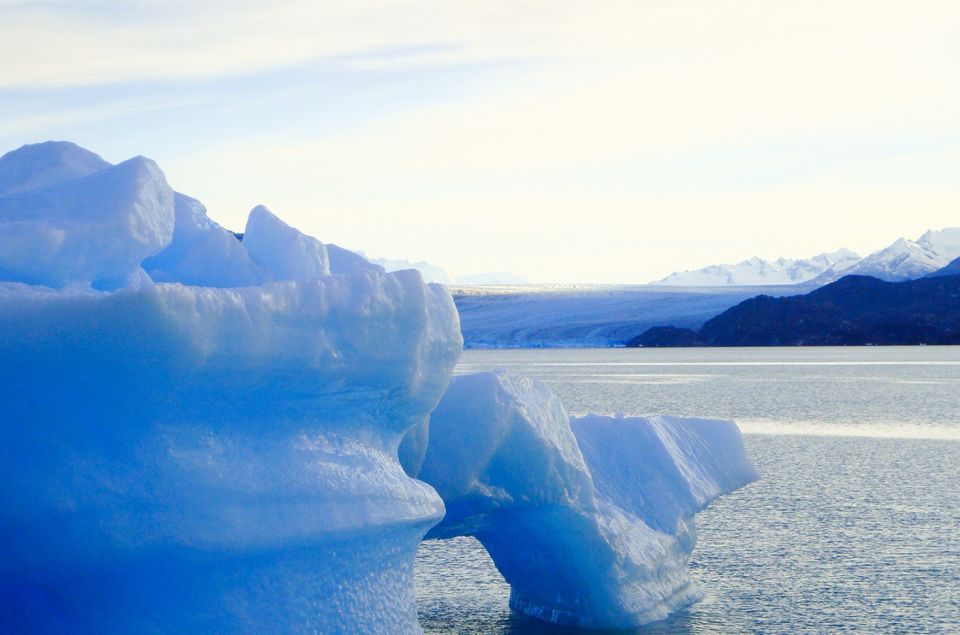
(680, 120)
(106, 42)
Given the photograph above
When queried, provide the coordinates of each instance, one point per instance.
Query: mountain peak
(906, 259)
(757, 271)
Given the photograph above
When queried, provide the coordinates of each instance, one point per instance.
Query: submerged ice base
(590, 520)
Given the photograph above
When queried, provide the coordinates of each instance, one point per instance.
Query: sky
(570, 142)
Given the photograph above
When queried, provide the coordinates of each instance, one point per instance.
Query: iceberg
(589, 519)
(209, 434)
(205, 458)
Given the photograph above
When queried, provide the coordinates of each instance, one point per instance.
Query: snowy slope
(757, 271)
(905, 259)
(952, 269)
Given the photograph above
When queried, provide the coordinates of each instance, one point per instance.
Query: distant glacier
(564, 316)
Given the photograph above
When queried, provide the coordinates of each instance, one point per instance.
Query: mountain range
(906, 259)
(852, 311)
(903, 260)
(757, 271)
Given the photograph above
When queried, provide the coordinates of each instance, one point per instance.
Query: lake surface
(853, 527)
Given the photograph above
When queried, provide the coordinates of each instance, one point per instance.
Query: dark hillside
(854, 310)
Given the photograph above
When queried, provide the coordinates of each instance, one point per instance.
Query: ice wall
(219, 458)
(589, 520)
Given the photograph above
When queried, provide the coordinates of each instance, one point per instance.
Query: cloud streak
(665, 122)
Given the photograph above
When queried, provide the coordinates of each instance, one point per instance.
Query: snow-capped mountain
(905, 259)
(757, 271)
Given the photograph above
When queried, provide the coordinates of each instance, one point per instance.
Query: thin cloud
(698, 130)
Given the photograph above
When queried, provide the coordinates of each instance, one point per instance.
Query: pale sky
(563, 141)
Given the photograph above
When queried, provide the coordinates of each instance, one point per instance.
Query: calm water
(855, 525)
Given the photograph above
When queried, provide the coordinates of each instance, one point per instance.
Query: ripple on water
(855, 533)
(841, 534)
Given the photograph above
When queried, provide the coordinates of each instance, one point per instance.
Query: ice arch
(590, 520)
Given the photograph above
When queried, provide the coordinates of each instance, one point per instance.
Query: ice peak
(39, 165)
(283, 250)
(262, 210)
(91, 231)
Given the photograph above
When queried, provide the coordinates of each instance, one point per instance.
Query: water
(854, 527)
